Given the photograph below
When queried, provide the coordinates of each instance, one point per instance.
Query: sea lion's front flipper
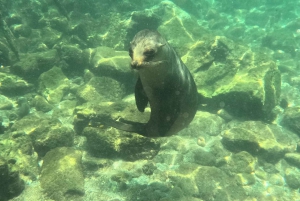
(141, 98)
(128, 126)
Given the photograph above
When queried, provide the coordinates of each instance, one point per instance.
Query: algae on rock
(62, 175)
(53, 85)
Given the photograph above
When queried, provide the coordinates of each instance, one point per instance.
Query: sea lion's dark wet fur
(165, 82)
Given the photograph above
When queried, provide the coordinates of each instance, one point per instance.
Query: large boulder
(31, 65)
(12, 85)
(53, 85)
(18, 164)
(105, 61)
(45, 133)
(269, 142)
(117, 144)
(5, 103)
(95, 113)
(96, 90)
(11, 185)
(62, 176)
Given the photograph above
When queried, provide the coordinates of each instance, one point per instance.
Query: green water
(65, 70)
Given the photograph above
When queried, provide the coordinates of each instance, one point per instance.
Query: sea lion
(163, 81)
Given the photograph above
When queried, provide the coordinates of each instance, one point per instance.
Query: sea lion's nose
(135, 64)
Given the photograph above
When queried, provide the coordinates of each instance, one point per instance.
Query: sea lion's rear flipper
(129, 126)
(141, 98)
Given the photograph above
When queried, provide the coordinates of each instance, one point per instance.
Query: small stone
(201, 141)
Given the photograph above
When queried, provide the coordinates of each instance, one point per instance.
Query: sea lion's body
(163, 81)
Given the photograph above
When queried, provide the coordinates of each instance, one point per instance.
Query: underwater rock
(95, 90)
(281, 39)
(117, 144)
(91, 114)
(290, 98)
(158, 190)
(59, 24)
(204, 123)
(21, 30)
(206, 178)
(12, 85)
(21, 143)
(50, 37)
(4, 53)
(62, 176)
(16, 148)
(178, 148)
(292, 178)
(3, 178)
(216, 24)
(241, 162)
(74, 58)
(206, 183)
(174, 150)
(5, 103)
(149, 168)
(41, 104)
(269, 142)
(179, 27)
(13, 18)
(291, 119)
(30, 122)
(199, 143)
(31, 65)
(11, 185)
(53, 85)
(45, 133)
(141, 19)
(234, 32)
(56, 136)
(96, 113)
(293, 159)
(203, 157)
(247, 87)
(105, 61)
(64, 111)
(245, 179)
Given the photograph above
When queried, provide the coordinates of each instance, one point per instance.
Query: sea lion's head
(146, 49)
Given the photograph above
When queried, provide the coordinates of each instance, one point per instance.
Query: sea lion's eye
(130, 52)
(150, 52)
